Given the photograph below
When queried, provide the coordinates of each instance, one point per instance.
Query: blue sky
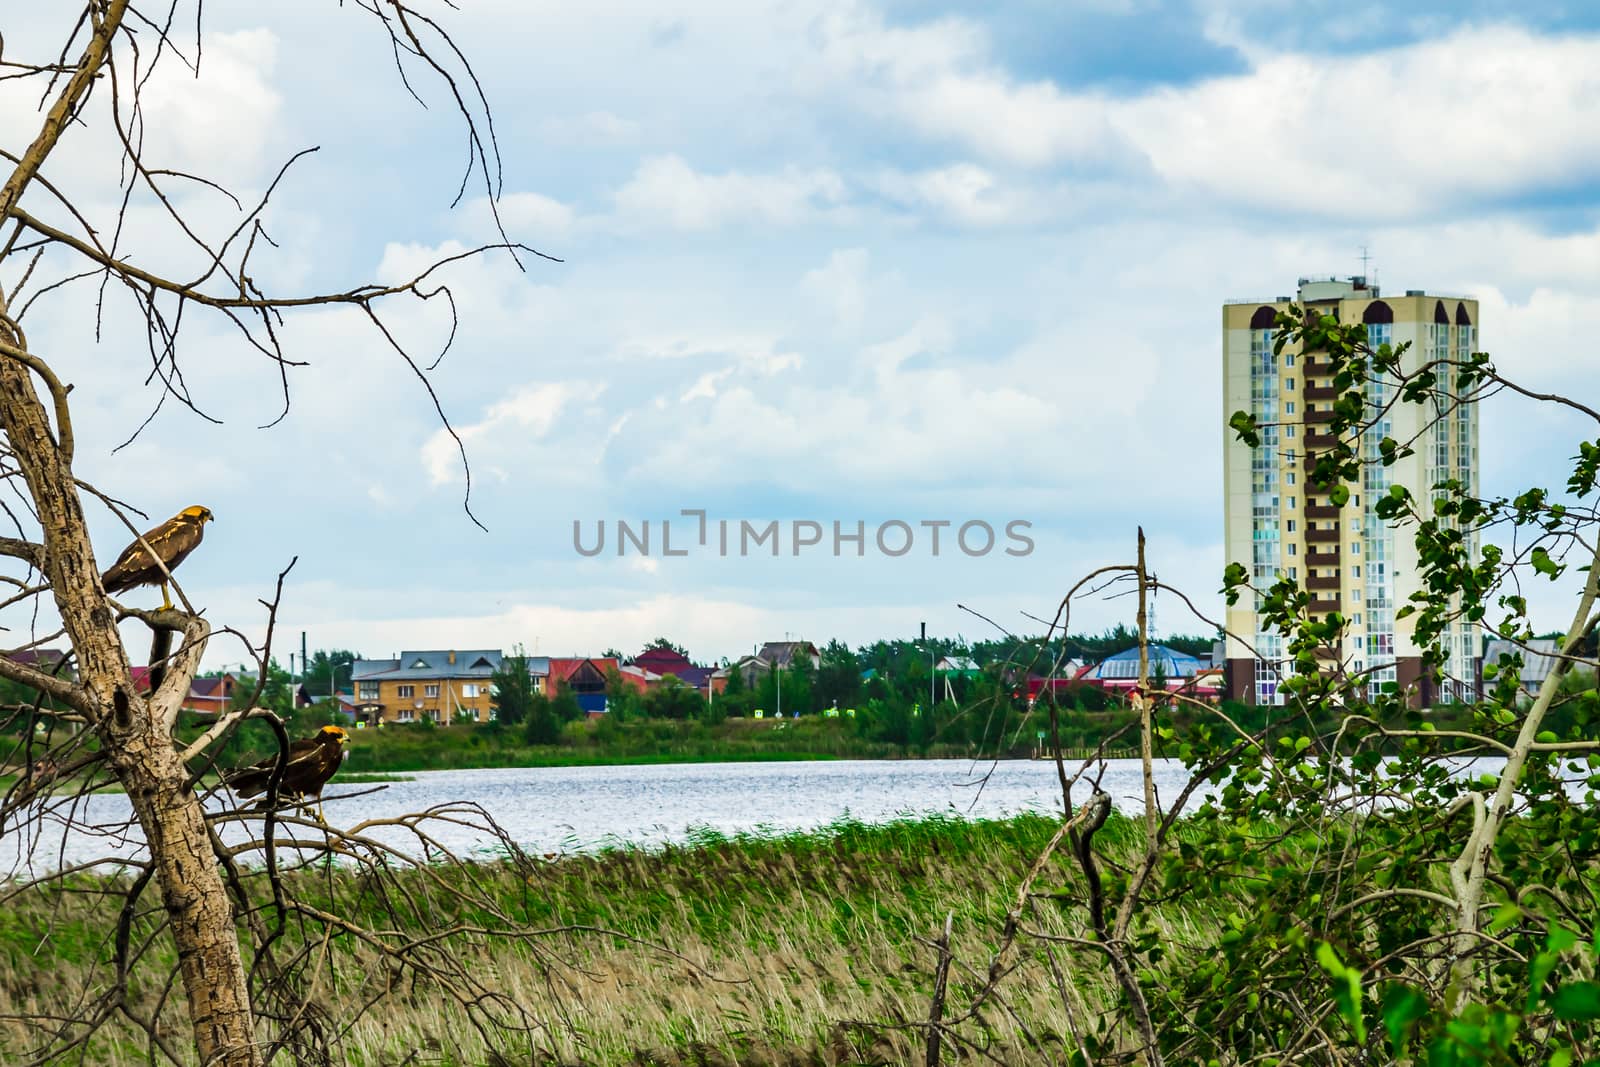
(821, 260)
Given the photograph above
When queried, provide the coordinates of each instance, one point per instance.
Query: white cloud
(220, 122)
(1484, 112)
(963, 192)
(840, 285)
(941, 78)
(508, 427)
(527, 216)
(666, 192)
(589, 127)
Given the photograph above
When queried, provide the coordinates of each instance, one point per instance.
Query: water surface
(579, 809)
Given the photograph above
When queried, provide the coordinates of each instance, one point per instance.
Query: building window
(1292, 575)
(1288, 359)
(1288, 406)
(368, 691)
(1290, 385)
(1292, 548)
(406, 715)
(1289, 477)
(1291, 526)
(1355, 548)
(1355, 572)
(1288, 433)
(430, 690)
(405, 691)
(432, 714)
(470, 690)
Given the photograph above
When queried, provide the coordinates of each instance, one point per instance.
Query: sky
(820, 261)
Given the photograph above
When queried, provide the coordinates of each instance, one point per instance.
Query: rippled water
(575, 809)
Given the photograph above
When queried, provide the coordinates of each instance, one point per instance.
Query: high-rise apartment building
(1349, 560)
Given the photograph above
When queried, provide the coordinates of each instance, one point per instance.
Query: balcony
(1322, 536)
(1321, 511)
(1322, 582)
(1324, 559)
(1321, 440)
(1322, 607)
(1320, 392)
(1311, 368)
(1319, 416)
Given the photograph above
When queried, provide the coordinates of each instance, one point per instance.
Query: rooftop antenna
(1365, 258)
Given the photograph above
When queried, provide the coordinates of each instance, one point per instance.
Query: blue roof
(1164, 661)
(433, 663)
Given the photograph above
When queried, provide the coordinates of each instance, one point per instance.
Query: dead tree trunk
(136, 736)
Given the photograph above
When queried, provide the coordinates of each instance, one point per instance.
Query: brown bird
(172, 541)
(312, 761)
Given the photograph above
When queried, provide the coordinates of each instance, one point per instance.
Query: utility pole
(931, 665)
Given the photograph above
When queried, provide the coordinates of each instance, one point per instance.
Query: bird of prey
(172, 541)
(312, 761)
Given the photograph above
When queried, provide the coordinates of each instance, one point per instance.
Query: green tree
(541, 726)
(1374, 872)
(564, 705)
(667, 643)
(326, 665)
(276, 693)
(622, 698)
(512, 689)
(672, 699)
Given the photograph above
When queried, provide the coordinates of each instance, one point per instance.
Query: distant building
(783, 654)
(1166, 668)
(780, 655)
(47, 660)
(434, 685)
(659, 663)
(1350, 560)
(208, 696)
(585, 677)
(963, 666)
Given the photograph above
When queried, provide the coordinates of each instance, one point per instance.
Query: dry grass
(806, 949)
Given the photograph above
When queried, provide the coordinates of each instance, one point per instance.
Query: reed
(743, 949)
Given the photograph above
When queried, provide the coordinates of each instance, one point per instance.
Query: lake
(580, 809)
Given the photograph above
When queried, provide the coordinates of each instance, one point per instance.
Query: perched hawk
(312, 761)
(171, 541)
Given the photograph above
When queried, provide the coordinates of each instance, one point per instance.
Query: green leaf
(1402, 1007)
(1346, 989)
(1544, 564)
(1577, 1000)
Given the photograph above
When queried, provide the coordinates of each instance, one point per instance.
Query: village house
(585, 677)
(774, 655)
(654, 665)
(441, 686)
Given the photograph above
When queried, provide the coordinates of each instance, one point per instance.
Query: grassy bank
(602, 742)
(802, 949)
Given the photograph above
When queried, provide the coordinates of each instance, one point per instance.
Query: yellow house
(439, 686)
